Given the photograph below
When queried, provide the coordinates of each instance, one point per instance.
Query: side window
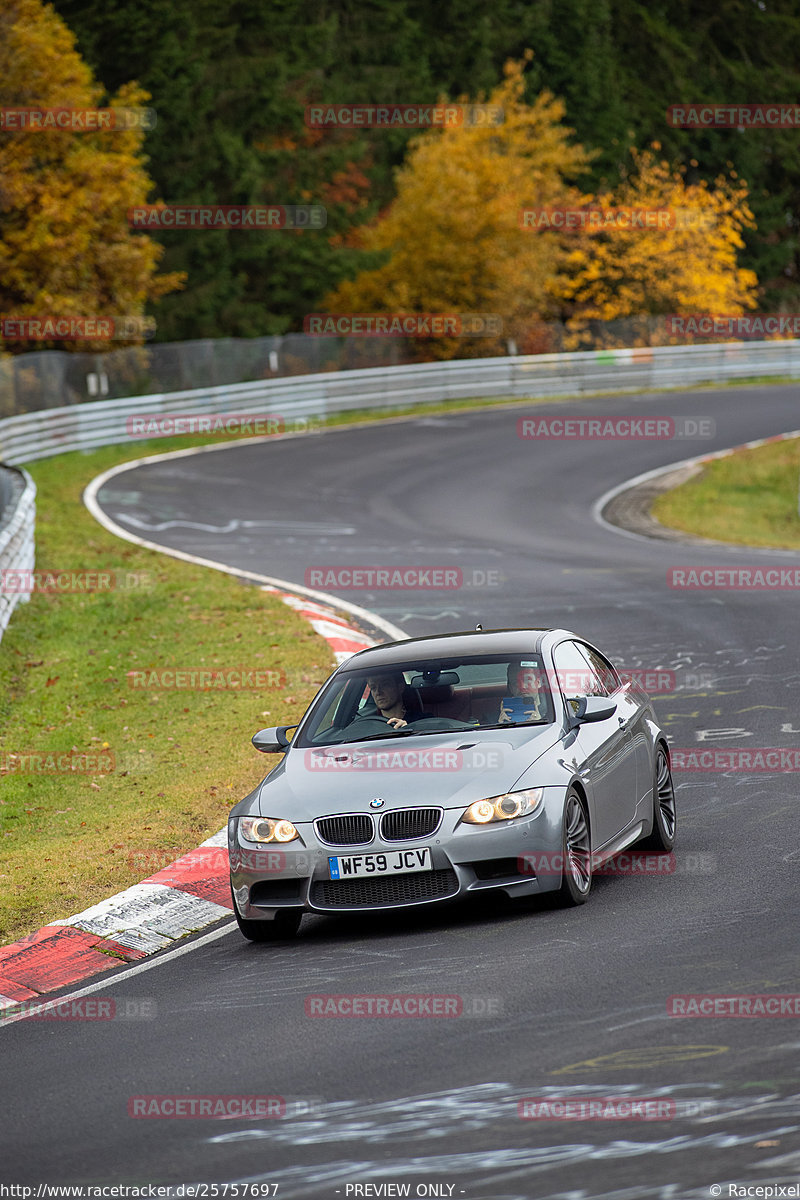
(327, 717)
(339, 709)
(576, 677)
(603, 669)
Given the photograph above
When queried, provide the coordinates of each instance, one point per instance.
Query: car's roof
(451, 645)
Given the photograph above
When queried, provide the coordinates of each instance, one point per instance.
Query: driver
(387, 692)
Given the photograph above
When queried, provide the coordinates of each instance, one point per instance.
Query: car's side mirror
(273, 740)
(588, 709)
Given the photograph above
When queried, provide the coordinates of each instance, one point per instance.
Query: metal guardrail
(17, 528)
(34, 435)
(295, 399)
(40, 379)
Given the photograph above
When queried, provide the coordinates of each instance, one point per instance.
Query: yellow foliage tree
(453, 232)
(65, 245)
(688, 265)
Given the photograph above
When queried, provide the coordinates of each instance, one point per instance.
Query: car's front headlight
(504, 808)
(267, 829)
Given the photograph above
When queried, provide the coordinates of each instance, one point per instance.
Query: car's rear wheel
(284, 924)
(576, 881)
(665, 815)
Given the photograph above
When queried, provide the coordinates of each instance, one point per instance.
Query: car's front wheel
(576, 857)
(665, 816)
(284, 924)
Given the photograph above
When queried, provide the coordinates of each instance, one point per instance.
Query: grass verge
(182, 757)
(749, 497)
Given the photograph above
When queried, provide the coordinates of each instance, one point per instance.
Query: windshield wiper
(404, 731)
(512, 725)
(378, 737)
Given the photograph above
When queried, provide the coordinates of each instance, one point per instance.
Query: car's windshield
(420, 698)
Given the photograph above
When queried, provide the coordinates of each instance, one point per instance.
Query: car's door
(604, 750)
(632, 712)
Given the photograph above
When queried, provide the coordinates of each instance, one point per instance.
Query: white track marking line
(106, 982)
(394, 632)
(612, 493)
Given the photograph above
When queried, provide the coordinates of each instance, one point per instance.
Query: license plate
(393, 862)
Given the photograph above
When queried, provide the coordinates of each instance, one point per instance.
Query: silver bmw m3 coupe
(427, 770)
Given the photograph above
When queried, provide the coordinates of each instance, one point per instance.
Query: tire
(284, 925)
(665, 816)
(576, 849)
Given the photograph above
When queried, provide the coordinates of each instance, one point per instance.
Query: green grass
(750, 497)
(182, 757)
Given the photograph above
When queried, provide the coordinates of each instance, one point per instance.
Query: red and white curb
(342, 638)
(180, 899)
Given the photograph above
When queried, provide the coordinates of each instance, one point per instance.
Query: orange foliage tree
(683, 263)
(65, 245)
(452, 234)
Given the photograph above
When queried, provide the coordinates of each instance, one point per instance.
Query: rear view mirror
(435, 679)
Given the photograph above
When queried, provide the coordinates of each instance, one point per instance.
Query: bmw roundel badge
(378, 802)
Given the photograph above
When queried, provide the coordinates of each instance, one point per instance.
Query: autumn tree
(452, 235)
(65, 245)
(686, 261)
(230, 84)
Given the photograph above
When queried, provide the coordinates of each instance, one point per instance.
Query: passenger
(523, 684)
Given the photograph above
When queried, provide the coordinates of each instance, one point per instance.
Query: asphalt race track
(567, 1003)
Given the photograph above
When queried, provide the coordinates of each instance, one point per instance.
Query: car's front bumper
(465, 859)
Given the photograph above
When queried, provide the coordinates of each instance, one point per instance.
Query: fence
(17, 521)
(295, 399)
(54, 378)
(29, 436)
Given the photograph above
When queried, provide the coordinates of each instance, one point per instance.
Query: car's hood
(447, 769)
